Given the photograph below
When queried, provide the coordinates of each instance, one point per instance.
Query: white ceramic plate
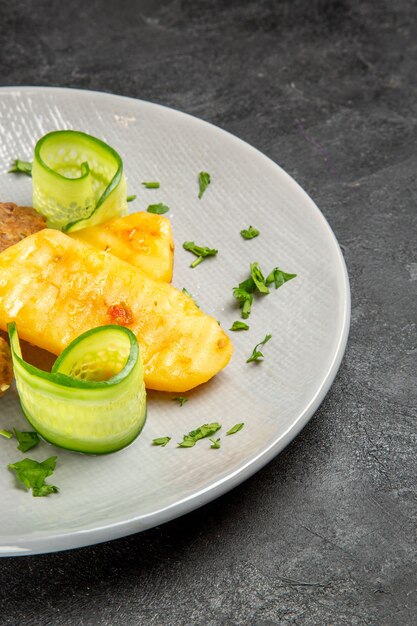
(106, 497)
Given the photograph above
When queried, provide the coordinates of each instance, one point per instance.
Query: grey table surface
(325, 534)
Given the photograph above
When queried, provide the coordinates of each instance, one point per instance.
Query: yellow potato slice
(142, 239)
(55, 288)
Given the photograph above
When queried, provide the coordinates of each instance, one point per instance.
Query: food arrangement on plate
(85, 281)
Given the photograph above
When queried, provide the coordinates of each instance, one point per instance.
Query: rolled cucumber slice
(78, 180)
(94, 398)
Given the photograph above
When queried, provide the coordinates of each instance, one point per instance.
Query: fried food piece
(37, 357)
(142, 239)
(55, 288)
(17, 222)
(6, 369)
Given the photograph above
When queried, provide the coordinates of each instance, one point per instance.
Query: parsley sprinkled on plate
(6, 433)
(199, 433)
(158, 209)
(161, 441)
(204, 180)
(257, 283)
(187, 442)
(278, 277)
(27, 440)
(245, 300)
(131, 198)
(21, 167)
(249, 233)
(32, 474)
(151, 185)
(239, 326)
(202, 432)
(258, 278)
(257, 354)
(235, 428)
(201, 252)
(181, 400)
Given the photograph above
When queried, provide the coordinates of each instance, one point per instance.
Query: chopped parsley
(32, 474)
(215, 443)
(181, 400)
(278, 277)
(235, 428)
(201, 252)
(258, 283)
(245, 299)
(158, 209)
(27, 440)
(249, 233)
(258, 278)
(6, 433)
(131, 198)
(187, 442)
(21, 167)
(161, 441)
(239, 326)
(151, 185)
(199, 433)
(204, 180)
(257, 354)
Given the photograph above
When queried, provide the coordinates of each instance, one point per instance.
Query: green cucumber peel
(94, 398)
(78, 180)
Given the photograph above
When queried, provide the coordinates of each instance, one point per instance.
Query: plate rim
(57, 542)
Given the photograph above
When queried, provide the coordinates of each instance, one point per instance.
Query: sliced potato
(142, 239)
(55, 288)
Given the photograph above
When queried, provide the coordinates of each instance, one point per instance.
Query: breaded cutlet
(17, 222)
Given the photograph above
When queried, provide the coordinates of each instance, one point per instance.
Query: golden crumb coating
(17, 222)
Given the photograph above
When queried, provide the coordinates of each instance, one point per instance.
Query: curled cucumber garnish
(78, 180)
(94, 399)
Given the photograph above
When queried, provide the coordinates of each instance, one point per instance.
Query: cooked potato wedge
(142, 239)
(56, 287)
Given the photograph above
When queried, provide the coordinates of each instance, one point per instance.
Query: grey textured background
(325, 534)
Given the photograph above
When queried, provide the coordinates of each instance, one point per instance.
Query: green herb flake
(248, 285)
(161, 441)
(151, 185)
(239, 326)
(245, 300)
(258, 278)
(131, 198)
(243, 294)
(158, 209)
(187, 293)
(201, 252)
(204, 180)
(257, 283)
(187, 442)
(249, 233)
(21, 167)
(181, 400)
(235, 428)
(199, 433)
(278, 277)
(6, 433)
(32, 474)
(204, 431)
(257, 354)
(27, 440)
(215, 443)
